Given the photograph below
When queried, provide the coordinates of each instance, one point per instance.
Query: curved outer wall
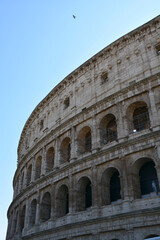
(80, 136)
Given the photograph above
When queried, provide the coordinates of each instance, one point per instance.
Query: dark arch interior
(29, 171)
(33, 212)
(111, 131)
(65, 150)
(50, 159)
(23, 213)
(46, 207)
(148, 178)
(38, 168)
(62, 201)
(88, 195)
(88, 142)
(115, 187)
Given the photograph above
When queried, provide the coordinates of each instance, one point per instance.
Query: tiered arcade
(89, 154)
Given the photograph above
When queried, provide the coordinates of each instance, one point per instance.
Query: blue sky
(41, 43)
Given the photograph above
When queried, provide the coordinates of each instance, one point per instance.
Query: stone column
(27, 212)
(99, 140)
(25, 177)
(126, 182)
(37, 218)
(73, 194)
(70, 190)
(94, 187)
(73, 144)
(43, 167)
(33, 169)
(154, 118)
(57, 153)
(53, 199)
(95, 144)
(121, 123)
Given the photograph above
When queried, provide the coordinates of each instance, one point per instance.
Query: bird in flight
(74, 16)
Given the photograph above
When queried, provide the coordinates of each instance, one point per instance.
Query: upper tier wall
(128, 60)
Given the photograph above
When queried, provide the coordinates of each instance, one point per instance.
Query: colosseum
(89, 154)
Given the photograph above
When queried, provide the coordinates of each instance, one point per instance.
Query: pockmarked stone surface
(89, 154)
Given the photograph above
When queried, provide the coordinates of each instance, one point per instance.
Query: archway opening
(84, 194)
(62, 201)
(88, 195)
(140, 118)
(46, 207)
(148, 178)
(84, 140)
(22, 218)
(29, 172)
(32, 217)
(50, 159)
(87, 145)
(65, 150)
(115, 187)
(38, 167)
(108, 129)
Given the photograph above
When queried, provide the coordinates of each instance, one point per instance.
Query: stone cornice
(118, 44)
(126, 216)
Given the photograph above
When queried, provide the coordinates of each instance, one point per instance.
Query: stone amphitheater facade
(89, 154)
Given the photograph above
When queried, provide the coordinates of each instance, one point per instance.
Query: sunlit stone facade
(89, 154)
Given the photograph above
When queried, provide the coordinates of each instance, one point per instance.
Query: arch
(111, 187)
(65, 150)
(148, 178)
(115, 187)
(108, 129)
(138, 116)
(84, 140)
(84, 194)
(32, 216)
(140, 169)
(50, 159)
(62, 201)
(46, 207)
(38, 167)
(29, 173)
(22, 218)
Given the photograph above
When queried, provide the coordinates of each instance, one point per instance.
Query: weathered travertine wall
(89, 154)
